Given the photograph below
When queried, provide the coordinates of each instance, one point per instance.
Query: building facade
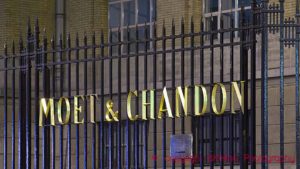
(124, 21)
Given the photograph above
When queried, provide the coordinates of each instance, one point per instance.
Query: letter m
(45, 109)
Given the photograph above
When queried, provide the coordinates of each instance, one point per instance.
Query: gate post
(264, 82)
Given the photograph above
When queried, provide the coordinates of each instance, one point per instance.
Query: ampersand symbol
(110, 112)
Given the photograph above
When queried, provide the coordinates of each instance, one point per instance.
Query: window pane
(227, 19)
(114, 40)
(131, 39)
(211, 6)
(129, 13)
(244, 3)
(228, 4)
(114, 15)
(144, 11)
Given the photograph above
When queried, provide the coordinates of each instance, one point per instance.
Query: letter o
(213, 99)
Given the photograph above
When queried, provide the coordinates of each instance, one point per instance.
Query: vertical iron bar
(61, 80)
(155, 94)
(136, 123)
(95, 107)
(146, 42)
(69, 95)
(53, 95)
(253, 86)
(173, 83)
(13, 130)
(182, 79)
(100, 127)
(128, 90)
(21, 108)
(119, 142)
(5, 109)
(281, 82)
(221, 139)
(46, 93)
(192, 89)
(211, 117)
(201, 120)
(77, 93)
(244, 77)
(231, 116)
(28, 97)
(21, 126)
(110, 135)
(164, 130)
(297, 87)
(264, 84)
(85, 151)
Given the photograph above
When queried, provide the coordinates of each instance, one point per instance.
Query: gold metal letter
(145, 104)
(240, 97)
(183, 99)
(92, 106)
(129, 114)
(204, 101)
(45, 108)
(77, 109)
(109, 106)
(164, 100)
(224, 99)
(59, 110)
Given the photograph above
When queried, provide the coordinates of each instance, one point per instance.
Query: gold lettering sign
(59, 110)
(240, 97)
(183, 99)
(204, 100)
(145, 104)
(110, 112)
(164, 101)
(213, 99)
(92, 106)
(77, 109)
(129, 114)
(47, 109)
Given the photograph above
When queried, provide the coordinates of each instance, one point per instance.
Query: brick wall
(14, 15)
(86, 16)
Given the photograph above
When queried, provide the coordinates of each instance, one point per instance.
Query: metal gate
(39, 68)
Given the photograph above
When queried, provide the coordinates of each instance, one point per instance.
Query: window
(131, 13)
(214, 10)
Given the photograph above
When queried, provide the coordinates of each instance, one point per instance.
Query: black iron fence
(40, 68)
